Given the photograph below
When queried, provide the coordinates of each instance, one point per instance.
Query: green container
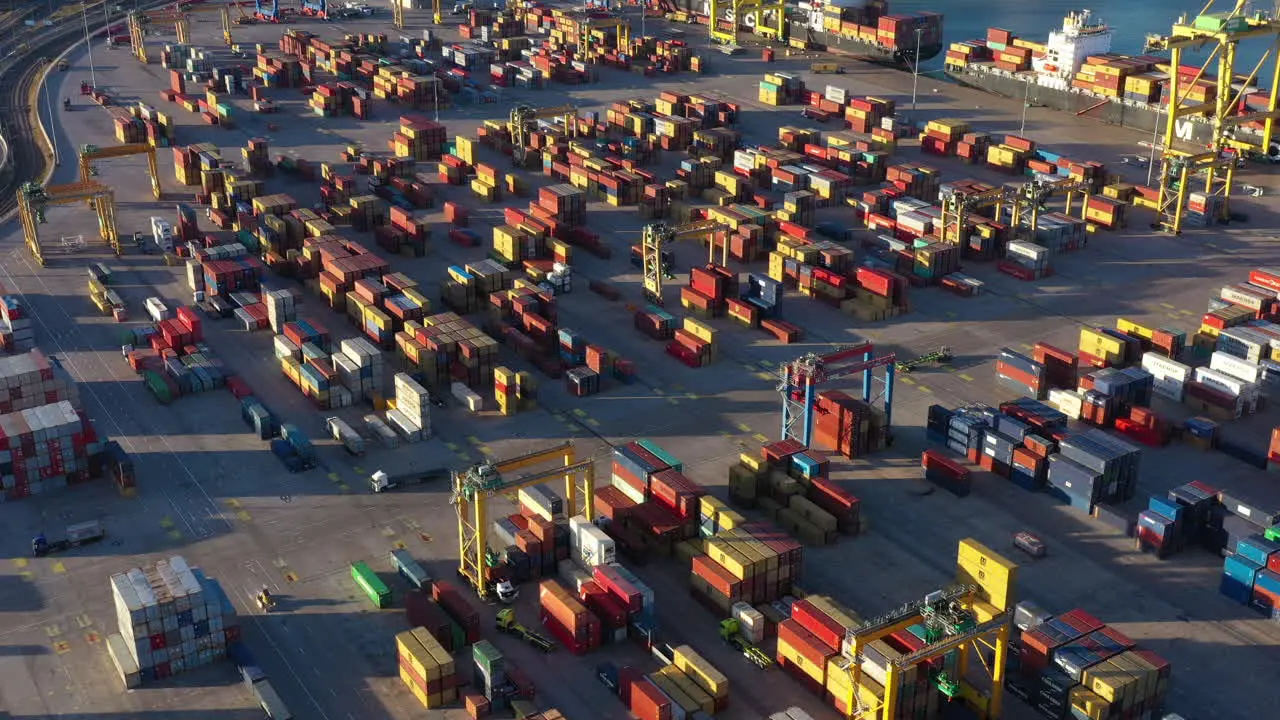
(377, 591)
(157, 386)
(459, 635)
(661, 454)
(486, 657)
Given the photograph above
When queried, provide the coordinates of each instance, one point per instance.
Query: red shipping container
(613, 503)
(422, 612)
(818, 623)
(648, 702)
(876, 282)
(934, 460)
(561, 605)
(842, 504)
(616, 585)
(804, 642)
(609, 609)
(458, 608)
(1269, 279)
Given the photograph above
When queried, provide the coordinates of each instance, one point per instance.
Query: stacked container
(567, 619)
(31, 379)
(281, 308)
(412, 414)
(1021, 373)
(171, 619)
(45, 448)
(17, 334)
(427, 668)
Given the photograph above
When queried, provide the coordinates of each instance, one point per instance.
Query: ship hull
(1143, 118)
(902, 58)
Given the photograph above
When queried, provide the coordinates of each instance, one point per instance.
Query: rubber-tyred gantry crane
(653, 241)
(89, 153)
(800, 378)
(520, 122)
(34, 199)
(475, 486)
(1222, 31)
(950, 624)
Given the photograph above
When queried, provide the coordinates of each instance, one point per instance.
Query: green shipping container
(458, 633)
(486, 657)
(661, 454)
(379, 594)
(157, 386)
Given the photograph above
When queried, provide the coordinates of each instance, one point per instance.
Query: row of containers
(1029, 443)
(170, 355)
(792, 486)
(1074, 666)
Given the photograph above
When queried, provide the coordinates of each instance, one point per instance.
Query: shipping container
(369, 582)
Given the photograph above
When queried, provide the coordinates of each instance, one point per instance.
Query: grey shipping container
(271, 703)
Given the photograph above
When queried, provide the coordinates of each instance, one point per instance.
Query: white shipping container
(1244, 298)
(1235, 367)
(1162, 367)
(632, 494)
(403, 426)
(156, 309)
(595, 547)
(1027, 250)
(573, 575)
(1068, 402)
(286, 348)
(1222, 382)
(751, 622)
(126, 665)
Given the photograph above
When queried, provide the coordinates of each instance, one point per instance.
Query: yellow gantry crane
(1031, 197)
(179, 16)
(34, 199)
(1025, 201)
(956, 209)
(521, 120)
(397, 13)
(89, 153)
(1222, 31)
(655, 237)
(223, 11)
(475, 487)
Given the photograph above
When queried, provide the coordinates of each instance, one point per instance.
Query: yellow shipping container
(1097, 343)
(689, 686)
(729, 557)
(995, 584)
(700, 330)
(730, 519)
(1085, 703)
(1109, 681)
(663, 679)
(791, 655)
(1130, 327)
(711, 506)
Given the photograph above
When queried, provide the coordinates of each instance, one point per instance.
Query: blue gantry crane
(800, 378)
(267, 10)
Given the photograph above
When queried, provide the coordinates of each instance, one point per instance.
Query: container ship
(859, 28)
(1075, 71)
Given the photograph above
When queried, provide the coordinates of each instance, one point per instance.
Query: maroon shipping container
(1035, 382)
(422, 612)
(655, 520)
(458, 607)
(675, 492)
(934, 460)
(613, 503)
(609, 609)
(842, 504)
(876, 282)
(648, 702)
(825, 629)
(585, 639)
(777, 452)
(621, 473)
(558, 603)
(804, 643)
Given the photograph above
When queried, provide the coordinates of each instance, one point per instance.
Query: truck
(342, 431)
(293, 435)
(381, 481)
(76, 535)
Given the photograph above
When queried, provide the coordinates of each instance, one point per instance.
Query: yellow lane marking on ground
(951, 315)
(175, 535)
(59, 568)
(1028, 347)
(243, 516)
(62, 647)
(658, 391)
(335, 477)
(726, 433)
(744, 427)
(53, 631)
(924, 389)
(759, 437)
(1167, 306)
(233, 503)
(27, 575)
(92, 638)
(399, 545)
(165, 522)
(358, 469)
(291, 577)
(965, 377)
(677, 387)
(473, 440)
(749, 367)
(83, 621)
(483, 449)
(765, 364)
(764, 376)
(907, 380)
(593, 422)
(20, 563)
(464, 457)
(342, 488)
(388, 531)
(580, 412)
(673, 401)
(452, 447)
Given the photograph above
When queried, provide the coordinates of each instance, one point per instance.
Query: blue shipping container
(1257, 548)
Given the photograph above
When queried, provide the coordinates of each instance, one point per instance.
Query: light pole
(435, 96)
(1026, 103)
(53, 132)
(915, 72)
(93, 77)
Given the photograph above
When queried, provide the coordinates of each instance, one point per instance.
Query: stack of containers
(946, 473)
(1020, 373)
(1093, 467)
(1251, 574)
(45, 448)
(565, 617)
(412, 414)
(31, 379)
(16, 331)
(281, 308)
(171, 619)
(490, 676)
(459, 610)
(1032, 261)
(427, 668)
(1061, 367)
(811, 638)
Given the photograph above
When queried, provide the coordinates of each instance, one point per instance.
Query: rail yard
(531, 346)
